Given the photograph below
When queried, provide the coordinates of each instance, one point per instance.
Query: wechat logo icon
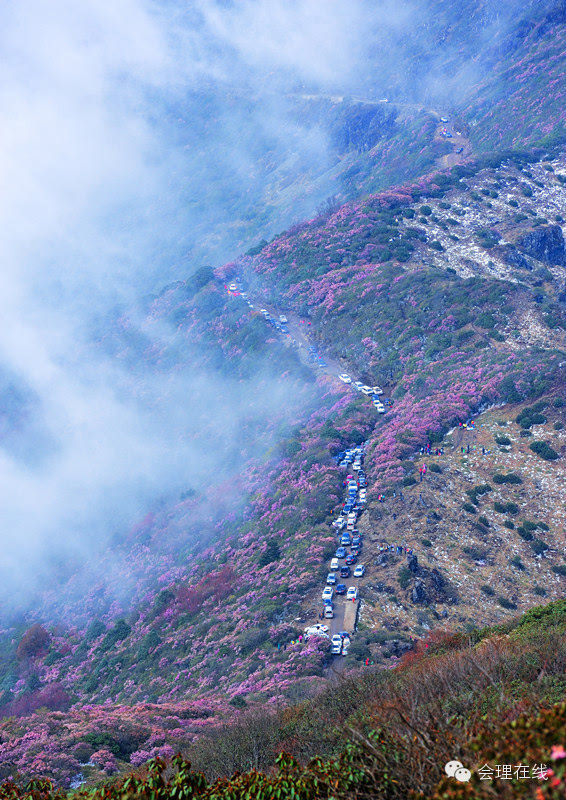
(455, 769)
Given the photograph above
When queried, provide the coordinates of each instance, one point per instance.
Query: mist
(139, 141)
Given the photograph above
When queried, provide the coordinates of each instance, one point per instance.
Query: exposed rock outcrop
(546, 244)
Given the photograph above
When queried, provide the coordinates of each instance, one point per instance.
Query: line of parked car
(279, 322)
(374, 392)
(349, 539)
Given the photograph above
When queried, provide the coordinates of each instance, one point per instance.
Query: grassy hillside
(448, 329)
(489, 698)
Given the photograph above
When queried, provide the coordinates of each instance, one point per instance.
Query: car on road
(359, 572)
(331, 579)
(341, 552)
(356, 540)
(334, 564)
(322, 364)
(282, 318)
(317, 630)
(341, 588)
(344, 572)
(351, 559)
(345, 378)
(357, 385)
(377, 390)
(363, 493)
(336, 643)
(354, 550)
(328, 612)
(346, 646)
(233, 287)
(346, 540)
(367, 390)
(460, 150)
(339, 523)
(352, 593)
(444, 119)
(327, 593)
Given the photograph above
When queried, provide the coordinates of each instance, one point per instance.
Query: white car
(282, 318)
(336, 642)
(233, 287)
(363, 493)
(328, 612)
(334, 564)
(327, 593)
(376, 390)
(367, 390)
(339, 523)
(352, 593)
(380, 409)
(359, 572)
(358, 385)
(345, 378)
(331, 579)
(352, 516)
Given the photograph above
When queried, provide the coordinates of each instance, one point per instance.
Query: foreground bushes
(490, 696)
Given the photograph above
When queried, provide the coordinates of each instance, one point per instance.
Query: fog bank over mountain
(140, 141)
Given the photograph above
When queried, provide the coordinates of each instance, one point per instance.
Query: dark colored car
(341, 588)
(356, 541)
(341, 552)
(351, 559)
(344, 572)
(355, 551)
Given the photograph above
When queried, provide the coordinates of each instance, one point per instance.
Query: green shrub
(544, 450)
(558, 426)
(485, 320)
(511, 477)
(487, 590)
(539, 547)
(504, 441)
(543, 526)
(513, 203)
(435, 468)
(404, 577)
(516, 562)
(509, 524)
(120, 631)
(469, 508)
(503, 601)
(484, 521)
(436, 245)
(558, 403)
(408, 480)
(426, 210)
(426, 542)
(540, 590)
(525, 534)
(271, 553)
(560, 569)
